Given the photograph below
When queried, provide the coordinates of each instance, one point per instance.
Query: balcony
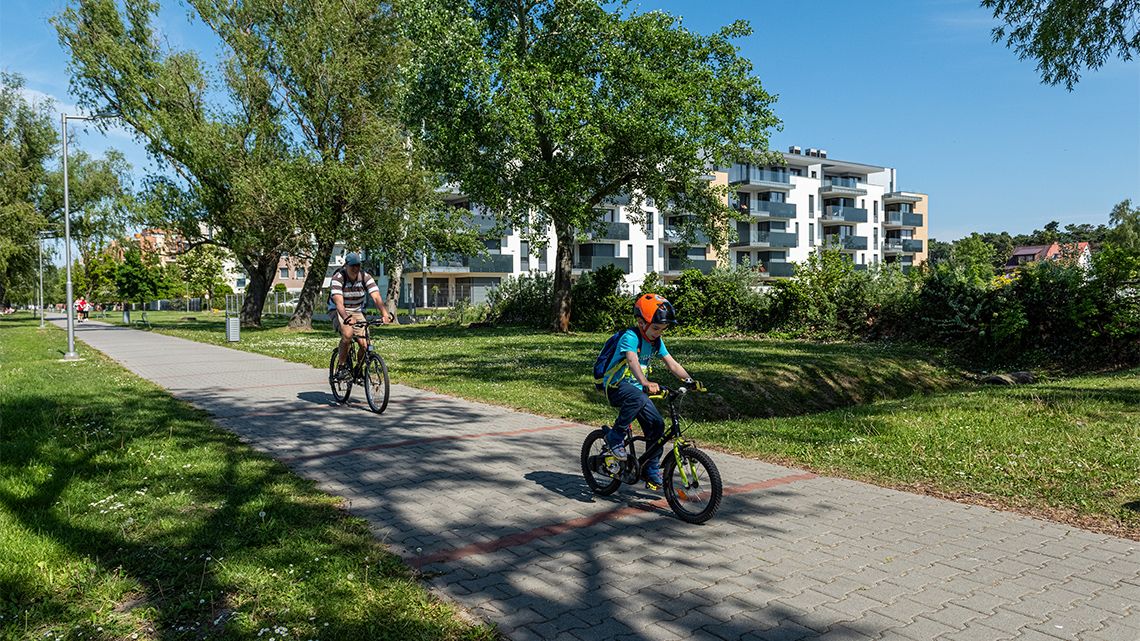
(841, 186)
(841, 214)
(901, 197)
(768, 209)
(610, 231)
(487, 224)
(860, 268)
(778, 269)
(902, 219)
(892, 246)
(591, 263)
(754, 177)
(768, 239)
(674, 236)
(492, 264)
(844, 243)
(674, 264)
(911, 245)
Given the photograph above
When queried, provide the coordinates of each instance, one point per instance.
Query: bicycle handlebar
(369, 321)
(667, 392)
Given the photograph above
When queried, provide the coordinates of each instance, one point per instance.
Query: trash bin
(126, 315)
(233, 329)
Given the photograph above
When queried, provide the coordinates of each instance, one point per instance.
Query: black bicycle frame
(673, 431)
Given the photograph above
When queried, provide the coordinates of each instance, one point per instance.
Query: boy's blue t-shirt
(630, 341)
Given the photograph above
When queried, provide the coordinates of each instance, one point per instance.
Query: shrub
(602, 303)
(525, 300)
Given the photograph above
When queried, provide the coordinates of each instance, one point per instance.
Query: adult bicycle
(692, 485)
(363, 367)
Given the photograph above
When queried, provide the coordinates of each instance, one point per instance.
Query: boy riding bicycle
(626, 385)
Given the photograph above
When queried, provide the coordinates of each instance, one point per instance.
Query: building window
(811, 206)
(862, 203)
(649, 229)
(629, 248)
(524, 256)
(240, 283)
(284, 272)
(300, 272)
(813, 173)
(811, 235)
(876, 236)
(876, 211)
(649, 258)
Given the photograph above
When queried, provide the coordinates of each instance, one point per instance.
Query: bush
(525, 300)
(726, 299)
(601, 302)
(828, 299)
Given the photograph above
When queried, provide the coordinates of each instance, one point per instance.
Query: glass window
(241, 282)
(649, 229)
(649, 258)
(811, 235)
(524, 256)
(811, 206)
(284, 272)
(300, 272)
(813, 174)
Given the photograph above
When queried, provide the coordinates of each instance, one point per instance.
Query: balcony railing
(844, 243)
(777, 269)
(768, 239)
(902, 219)
(753, 176)
(674, 236)
(769, 209)
(911, 245)
(611, 231)
(675, 264)
(892, 245)
(842, 185)
(594, 262)
(492, 264)
(841, 214)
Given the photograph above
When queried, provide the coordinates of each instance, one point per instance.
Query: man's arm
(379, 303)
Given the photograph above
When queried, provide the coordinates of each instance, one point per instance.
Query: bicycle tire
(599, 486)
(706, 493)
(376, 389)
(341, 389)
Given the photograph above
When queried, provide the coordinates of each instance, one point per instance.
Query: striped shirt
(355, 293)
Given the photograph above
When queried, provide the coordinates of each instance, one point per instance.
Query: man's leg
(345, 339)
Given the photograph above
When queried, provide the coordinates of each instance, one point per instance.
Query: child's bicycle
(692, 482)
(369, 371)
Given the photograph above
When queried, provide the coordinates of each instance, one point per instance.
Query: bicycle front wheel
(594, 464)
(376, 383)
(695, 495)
(341, 385)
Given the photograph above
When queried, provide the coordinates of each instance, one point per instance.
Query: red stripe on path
(522, 538)
(423, 441)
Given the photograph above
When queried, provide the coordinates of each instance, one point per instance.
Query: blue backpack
(607, 355)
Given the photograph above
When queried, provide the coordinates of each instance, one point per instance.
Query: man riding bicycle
(348, 294)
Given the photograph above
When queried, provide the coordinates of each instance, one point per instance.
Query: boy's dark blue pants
(633, 403)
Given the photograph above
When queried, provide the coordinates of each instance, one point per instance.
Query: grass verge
(1068, 450)
(125, 514)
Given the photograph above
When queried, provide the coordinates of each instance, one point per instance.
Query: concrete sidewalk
(490, 503)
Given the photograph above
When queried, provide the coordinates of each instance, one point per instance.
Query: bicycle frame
(672, 433)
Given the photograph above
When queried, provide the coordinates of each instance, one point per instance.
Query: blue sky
(916, 85)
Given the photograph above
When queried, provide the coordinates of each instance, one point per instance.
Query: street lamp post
(71, 354)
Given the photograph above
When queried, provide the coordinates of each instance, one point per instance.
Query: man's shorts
(356, 317)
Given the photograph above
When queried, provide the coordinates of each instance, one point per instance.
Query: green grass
(892, 415)
(125, 512)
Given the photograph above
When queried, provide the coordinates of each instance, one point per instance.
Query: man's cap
(352, 258)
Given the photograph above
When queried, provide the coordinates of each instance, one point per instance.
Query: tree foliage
(1066, 37)
(27, 141)
(542, 111)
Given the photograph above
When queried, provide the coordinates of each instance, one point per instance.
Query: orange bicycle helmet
(653, 308)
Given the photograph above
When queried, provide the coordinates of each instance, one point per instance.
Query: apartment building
(809, 204)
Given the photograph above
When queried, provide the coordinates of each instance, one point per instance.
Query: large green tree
(1066, 37)
(1125, 233)
(28, 140)
(542, 110)
(100, 206)
(234, 182)
(334, 69)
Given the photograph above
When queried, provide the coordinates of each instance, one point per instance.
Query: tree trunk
(303, 315)
(563, 270)
(261, 271)
(392, 300)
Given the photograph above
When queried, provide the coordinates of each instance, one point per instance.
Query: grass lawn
(1068, 450)
(125, 514)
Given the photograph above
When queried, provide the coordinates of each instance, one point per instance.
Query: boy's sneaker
(617, 450)
(653, 480)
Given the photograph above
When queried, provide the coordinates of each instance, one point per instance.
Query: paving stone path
(490, 504)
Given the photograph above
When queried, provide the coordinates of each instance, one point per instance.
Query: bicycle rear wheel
(341, 387)
(593, 465)
(376, 383)
(697, 500)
